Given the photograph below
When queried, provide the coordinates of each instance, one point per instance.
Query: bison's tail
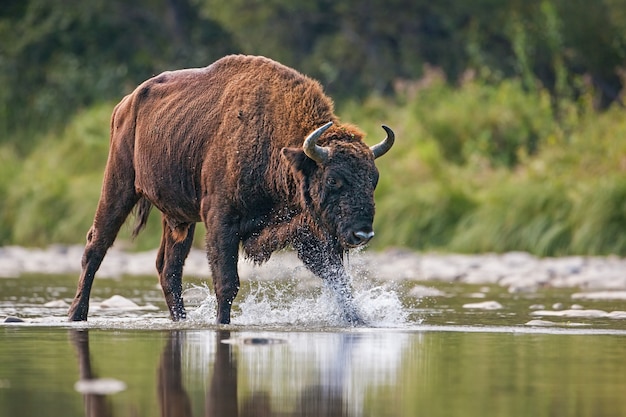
(142, 211)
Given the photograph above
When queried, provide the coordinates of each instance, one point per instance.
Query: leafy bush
(567, 196)
(449, 185)
(53, 196)
(533, 217)
(499, 123)
(425, 216)
(600, 218)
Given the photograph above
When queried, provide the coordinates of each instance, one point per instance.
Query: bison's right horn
(317, 153)
(382, 148)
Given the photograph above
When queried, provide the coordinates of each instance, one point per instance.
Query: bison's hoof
(77, 317)
(355, 320)
(11, 319)
(77, 313)
(179, 315)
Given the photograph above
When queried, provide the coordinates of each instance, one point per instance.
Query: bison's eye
(333, 183)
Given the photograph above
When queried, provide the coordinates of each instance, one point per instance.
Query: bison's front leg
(222, 243)
(325, 261)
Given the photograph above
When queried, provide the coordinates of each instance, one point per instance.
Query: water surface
(287, 355)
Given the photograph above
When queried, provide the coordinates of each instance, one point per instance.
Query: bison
(252, 149)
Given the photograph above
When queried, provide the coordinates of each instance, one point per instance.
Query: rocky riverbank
(517, 271)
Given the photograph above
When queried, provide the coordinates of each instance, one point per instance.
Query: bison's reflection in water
(96, 403)
(327, 375)
(173, 398)
(222, 396)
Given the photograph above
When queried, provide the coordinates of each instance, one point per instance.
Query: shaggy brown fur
(223, 145)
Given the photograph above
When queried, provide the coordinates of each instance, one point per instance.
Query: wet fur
(222, 145)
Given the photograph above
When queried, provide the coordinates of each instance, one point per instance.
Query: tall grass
(476, 168)
(486, 168)
(533, 217)
(52, 196)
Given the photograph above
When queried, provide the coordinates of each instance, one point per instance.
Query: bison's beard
(259, 245)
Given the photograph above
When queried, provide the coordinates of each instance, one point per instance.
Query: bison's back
(217, 130)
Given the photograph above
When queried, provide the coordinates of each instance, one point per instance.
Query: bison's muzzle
(361, 237)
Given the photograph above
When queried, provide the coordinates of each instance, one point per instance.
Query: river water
(461, 350)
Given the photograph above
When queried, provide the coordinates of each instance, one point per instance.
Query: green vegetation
(548, 187)
(552, 188)
(510, 125)
(52, 195)
(482, 168)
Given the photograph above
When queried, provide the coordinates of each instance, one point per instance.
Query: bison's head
(337, 179)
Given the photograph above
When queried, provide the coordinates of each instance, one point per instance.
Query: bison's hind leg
(117, 199)
(175, 246)
(116, 203)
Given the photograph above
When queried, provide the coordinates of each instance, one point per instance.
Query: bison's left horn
(382, 148)
(317, 153)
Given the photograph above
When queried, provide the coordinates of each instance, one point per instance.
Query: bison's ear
(298, 160)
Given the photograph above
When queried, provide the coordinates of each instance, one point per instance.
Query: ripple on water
(297, 304)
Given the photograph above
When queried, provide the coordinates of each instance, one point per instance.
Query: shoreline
(517, 271)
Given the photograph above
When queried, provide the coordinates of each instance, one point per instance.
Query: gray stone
(485, 305)
(519, 272)
(420, 291)
(600, 295)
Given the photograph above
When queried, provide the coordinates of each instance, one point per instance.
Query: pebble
(518, 272)
(578, 313)
(100, 386)
(617, 315)
(600, 295)
(541, 323)
(118, 302)
(56, 304)
(253, 341)
(12, 319)
(485, 305)
(546, 323)
(477, 295)
(421, 291)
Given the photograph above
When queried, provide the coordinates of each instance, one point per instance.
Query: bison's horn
(382, 148)
(317, 153)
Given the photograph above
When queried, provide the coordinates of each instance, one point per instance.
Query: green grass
(52, 196)
(476, 168)
(490, 169)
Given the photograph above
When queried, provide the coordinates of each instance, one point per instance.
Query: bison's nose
(361, 237)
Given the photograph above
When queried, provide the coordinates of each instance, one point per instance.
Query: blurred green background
(509, 115)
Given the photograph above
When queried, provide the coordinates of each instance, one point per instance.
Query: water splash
(282, 304)
(381, 306)
(293, 300)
